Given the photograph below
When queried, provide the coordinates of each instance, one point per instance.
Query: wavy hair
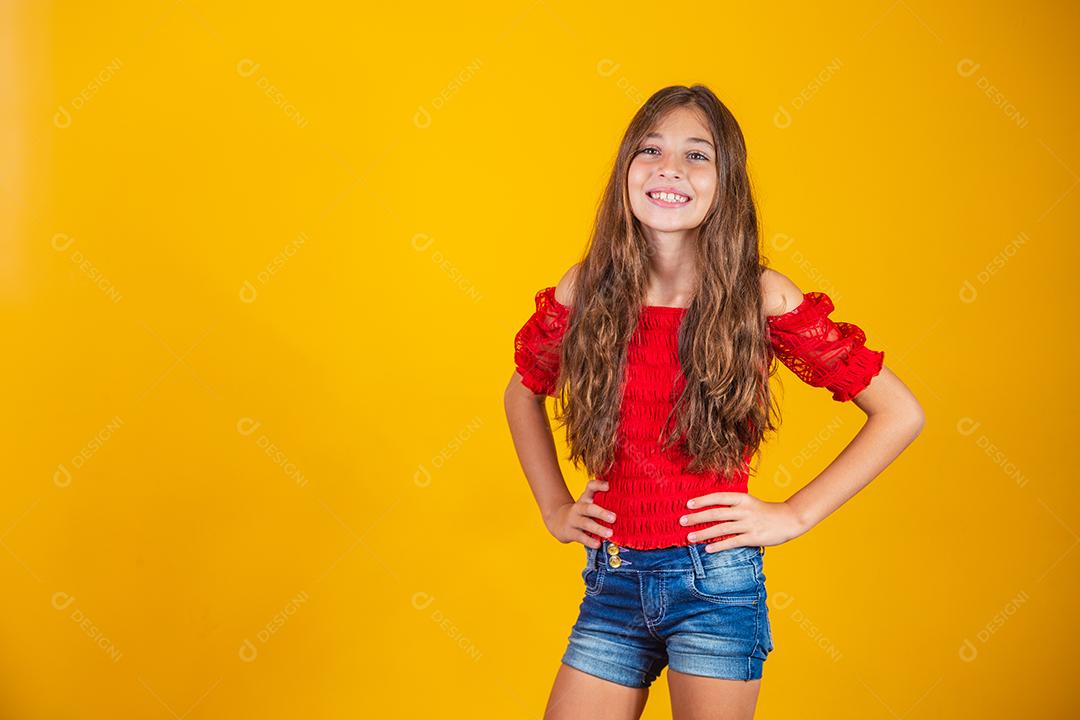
(725, 406)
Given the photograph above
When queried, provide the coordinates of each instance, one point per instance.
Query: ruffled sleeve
(538, 344)
(821, 352)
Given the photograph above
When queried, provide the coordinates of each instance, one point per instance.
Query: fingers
(594, 527)
(596, 511)
(702, 501)
(729, 543)
(718, 498)
(591, 488)
(587, 511)
(711, 515)
(728, 528)
(588, 541)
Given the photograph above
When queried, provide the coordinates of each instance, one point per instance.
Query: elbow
(918, 419)
(911, 418)
(888, 399)
(905, 417)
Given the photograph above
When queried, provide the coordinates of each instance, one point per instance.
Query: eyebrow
(692, 139)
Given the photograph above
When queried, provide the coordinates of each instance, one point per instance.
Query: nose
(671, 170)
(671, 166)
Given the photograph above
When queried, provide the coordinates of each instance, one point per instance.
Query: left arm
(894, 419)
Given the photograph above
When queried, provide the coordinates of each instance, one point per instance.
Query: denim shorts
(699, 613)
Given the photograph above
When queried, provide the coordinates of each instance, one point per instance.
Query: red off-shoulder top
(647, 488)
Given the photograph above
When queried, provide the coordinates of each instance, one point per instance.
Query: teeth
(669, 197)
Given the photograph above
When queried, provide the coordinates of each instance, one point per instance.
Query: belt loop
(695, 561)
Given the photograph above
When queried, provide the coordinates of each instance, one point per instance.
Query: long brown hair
(725, 406)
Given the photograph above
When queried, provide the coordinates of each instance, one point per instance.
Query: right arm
(534, 442)
(526, 414)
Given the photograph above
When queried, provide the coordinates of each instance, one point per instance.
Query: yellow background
(262, 267)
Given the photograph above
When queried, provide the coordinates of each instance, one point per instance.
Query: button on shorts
(699, 613)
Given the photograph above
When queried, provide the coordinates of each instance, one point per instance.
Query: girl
(658, 348)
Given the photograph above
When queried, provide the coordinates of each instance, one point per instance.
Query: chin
(659, 224)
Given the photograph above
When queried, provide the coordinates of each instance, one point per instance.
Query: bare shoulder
(564, 291)
(778, 293)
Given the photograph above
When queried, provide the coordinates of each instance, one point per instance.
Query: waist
(647, 510)
(669, 559)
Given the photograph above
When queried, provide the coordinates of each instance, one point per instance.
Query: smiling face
(678, 161)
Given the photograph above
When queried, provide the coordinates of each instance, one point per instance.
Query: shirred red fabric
(648, 487)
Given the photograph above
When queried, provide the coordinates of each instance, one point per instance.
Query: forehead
(679, 124)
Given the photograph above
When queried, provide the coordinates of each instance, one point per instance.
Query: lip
(664, 203)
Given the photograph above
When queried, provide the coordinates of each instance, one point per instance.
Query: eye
(692, 153)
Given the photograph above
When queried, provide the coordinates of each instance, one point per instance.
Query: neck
(672, 272)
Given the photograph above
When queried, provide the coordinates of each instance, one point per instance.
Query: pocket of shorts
(766, 629)
(735, 584)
